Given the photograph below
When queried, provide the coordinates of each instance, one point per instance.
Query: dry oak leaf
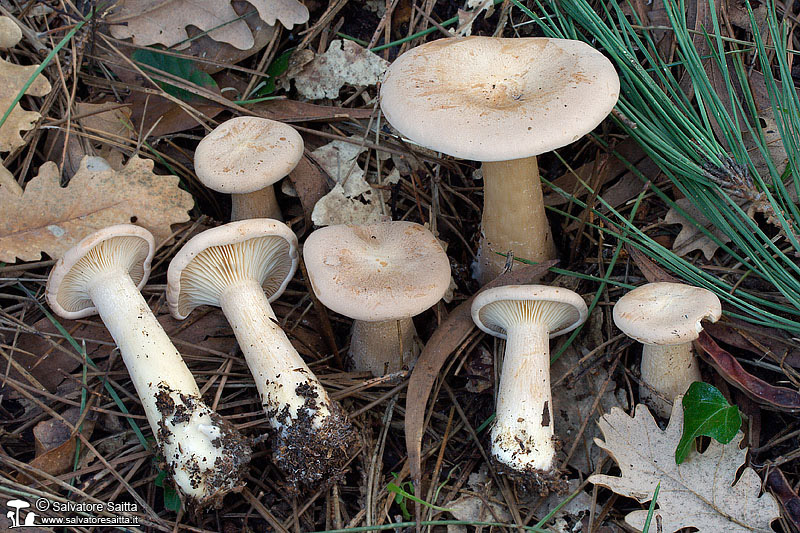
(345, 63)
(48, 218)
(12, 79)
(700, 493)
(150, 22)
(690, 237)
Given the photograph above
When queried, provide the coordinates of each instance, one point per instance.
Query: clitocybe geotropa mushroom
(102, 274)
(527, 317)
(244, 157)
(381, 275)
(241, 267)
(502, 102)
(666, 318)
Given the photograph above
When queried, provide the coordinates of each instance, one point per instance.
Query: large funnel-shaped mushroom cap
(560, 310)
(258, 249)
(495, 99)
(247, 154)
(376, 272)
(666, 313)
(125, 246)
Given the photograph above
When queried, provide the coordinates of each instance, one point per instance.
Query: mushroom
(666, 318)
(102, 274)
(380, 275)
(526, 316)
(241, 267)
(502, 102)
(244, 157)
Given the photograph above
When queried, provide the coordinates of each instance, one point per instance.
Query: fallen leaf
(12, 79)
(651, 271)
(690, 237)
(702, 493)
(294, 111)
(345, 63)
(8, 185)
(467, 17)
(337, 207)
(473, 509)
(51, 219)
(114, 124)
(706, 412)
(149, 22)
(55, 446)
(310, 185)
(786, 495)
(769, 396)
(755, 339)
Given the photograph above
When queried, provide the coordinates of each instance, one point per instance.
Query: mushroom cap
(125, 245)
(496, 99)
(376, 272)
(259, 249)
(247, 154)
(561, 310)
(666, 313)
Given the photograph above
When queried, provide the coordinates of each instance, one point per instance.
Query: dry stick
(262, 510)
(374, 471)
(439, 460)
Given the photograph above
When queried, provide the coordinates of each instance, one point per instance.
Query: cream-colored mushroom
(502, 102)
(102, 274)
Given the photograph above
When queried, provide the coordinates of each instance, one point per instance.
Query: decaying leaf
(701, 493)
(110, 122)
(467, 17)
(55, 445)
(48, 218)
(690, 237)
(8, 185)
(474, 509)
(150, 22)
(345, 62)
(12, 79)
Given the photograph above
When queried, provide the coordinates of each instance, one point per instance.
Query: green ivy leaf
(177, 66)
(172, 501)
(707, 413)
(278, 66)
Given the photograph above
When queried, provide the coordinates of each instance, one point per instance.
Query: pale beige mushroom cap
(666, 313)
(125, 246)
(258, 249)
(376, 272)
(560, 310)
(496, 99)
(247, 154)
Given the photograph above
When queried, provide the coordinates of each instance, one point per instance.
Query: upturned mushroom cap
(560, 310)
(376, 272)
(125, 246)
(259, 249)
(666, 313)
(496, 99)
(247, 154)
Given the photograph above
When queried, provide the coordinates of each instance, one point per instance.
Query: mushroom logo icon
(13, 516)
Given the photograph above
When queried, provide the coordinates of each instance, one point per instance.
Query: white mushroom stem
(522, 437)
(287, 387)
(383, 347)
(256, 204)
(513, 217)
(667, 372)
(203, 452)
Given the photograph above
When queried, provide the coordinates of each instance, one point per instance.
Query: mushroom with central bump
(244, 157)
(502, 102)
(381, 275)
(102, 274)
(241, 267)
(527, 317)
(666, 318)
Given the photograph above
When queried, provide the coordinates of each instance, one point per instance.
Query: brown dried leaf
(8, 183)
(309, 184)
(55, 445)
(690, 237)
(151, 22)
(12, 79)
(114, 124)
(345, 63)
(51, 219)
(701, 493)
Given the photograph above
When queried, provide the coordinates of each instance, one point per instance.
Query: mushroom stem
(256, 204)
(383, 347)
(313, 435)
(522, 437)
(513, 217)
(205, 454)
(668, 370)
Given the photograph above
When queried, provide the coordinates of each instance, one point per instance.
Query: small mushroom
(666, 318)
(102, 274)
(241, 267)
(244, 157)
(527, 317)
(381, 275)
(502, 102)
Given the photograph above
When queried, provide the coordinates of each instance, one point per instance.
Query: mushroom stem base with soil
(668, 370)
(204, 453)
(383, 347)
(522, 436)
(313, 436)
(256, 204)
(513, 217)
